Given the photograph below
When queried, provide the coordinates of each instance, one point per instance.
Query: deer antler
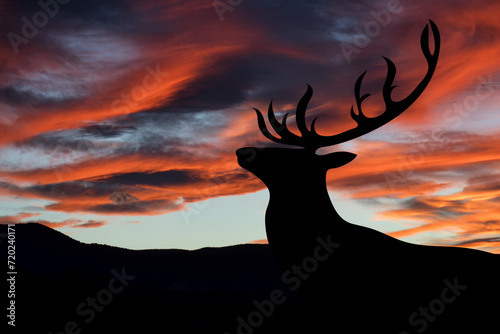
(311, 140)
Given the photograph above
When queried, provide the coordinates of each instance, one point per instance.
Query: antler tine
(311, 140)
(286, 136)
(300, 114)
(431, 61)
(263, 127)
(281, 129)
(359, 100)
(393, 108)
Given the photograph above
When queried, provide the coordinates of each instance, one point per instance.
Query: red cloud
(17, 218)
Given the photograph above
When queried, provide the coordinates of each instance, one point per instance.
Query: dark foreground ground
(64, 286)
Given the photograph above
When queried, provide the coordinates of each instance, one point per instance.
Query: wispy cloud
(16, 218)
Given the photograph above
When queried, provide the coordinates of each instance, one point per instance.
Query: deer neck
(298, 213)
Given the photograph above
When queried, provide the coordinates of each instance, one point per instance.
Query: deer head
(278, 163)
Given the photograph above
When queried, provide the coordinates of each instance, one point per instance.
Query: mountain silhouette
(177, 291)
(353, 279)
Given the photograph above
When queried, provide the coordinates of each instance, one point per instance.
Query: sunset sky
(120, 119)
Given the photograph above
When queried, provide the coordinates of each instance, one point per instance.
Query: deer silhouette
(353, 279)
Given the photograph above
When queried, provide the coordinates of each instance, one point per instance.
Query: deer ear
(337, 159)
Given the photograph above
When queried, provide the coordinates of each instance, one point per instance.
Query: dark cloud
(73, 188)
(137, 207)
(59, 142)
(471, 242)
(109, 14)
(16, 97)
(159, 179)
(437, 209)
(119, 197)
(222, 86)
(106, 130)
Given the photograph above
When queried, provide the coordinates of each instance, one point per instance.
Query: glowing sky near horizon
(119, 119)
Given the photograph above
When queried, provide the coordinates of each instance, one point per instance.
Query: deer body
(370, 283)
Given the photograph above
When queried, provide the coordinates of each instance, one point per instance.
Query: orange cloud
(17, 218)
(259, 242)
(73, 223)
